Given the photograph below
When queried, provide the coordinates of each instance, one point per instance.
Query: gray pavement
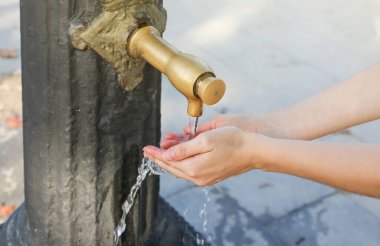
(10, 34)
(11, 170)
(271, 54)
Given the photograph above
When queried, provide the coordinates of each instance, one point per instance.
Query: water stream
(147, 167)
(193, 126)
(203, 214)
(186, 229)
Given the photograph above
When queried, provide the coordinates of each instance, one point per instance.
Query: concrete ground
(271, 54)
(11, 171)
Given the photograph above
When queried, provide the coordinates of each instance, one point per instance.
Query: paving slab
(371, 204)
(334, 221)
(269, 196)
(11, 170)
(10, 34)
(228, 223)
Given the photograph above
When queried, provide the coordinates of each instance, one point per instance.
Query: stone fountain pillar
(83, 136)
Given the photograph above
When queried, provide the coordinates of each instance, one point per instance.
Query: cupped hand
(244, 122)
(208, 158)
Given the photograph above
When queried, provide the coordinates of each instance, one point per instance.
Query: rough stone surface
(83, 136)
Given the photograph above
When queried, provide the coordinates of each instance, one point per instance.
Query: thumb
(185, 150)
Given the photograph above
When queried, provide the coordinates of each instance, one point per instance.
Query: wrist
(266, 125)
(277, 125)
(260, 149)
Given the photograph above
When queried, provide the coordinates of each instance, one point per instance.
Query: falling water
(147, 167)
(200, 240)
(196, 126)
(206, 237)
(186, 229)
(193, 126)
(203, 216)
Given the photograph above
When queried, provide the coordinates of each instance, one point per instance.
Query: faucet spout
(189, 75)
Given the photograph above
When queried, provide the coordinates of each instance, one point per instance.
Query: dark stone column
(83, 136)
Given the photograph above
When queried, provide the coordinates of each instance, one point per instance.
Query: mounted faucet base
(108, 34)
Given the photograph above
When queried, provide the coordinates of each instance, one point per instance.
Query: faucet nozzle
(189, 75)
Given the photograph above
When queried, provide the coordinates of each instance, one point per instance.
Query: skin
(280, 141)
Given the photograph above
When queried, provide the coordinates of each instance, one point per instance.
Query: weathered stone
(83, 136)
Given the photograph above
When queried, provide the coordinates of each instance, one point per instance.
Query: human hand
(247, 123)
(211, 156)
(244, 122)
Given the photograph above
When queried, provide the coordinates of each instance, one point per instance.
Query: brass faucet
(188, 74)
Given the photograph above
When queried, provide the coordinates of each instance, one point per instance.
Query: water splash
(147, 167)
(200, 240)
(203, 215)
(186, 229)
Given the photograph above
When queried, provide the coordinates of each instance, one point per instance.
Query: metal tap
(189, 75)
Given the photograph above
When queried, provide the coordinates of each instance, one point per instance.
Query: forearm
(351, 167)
(349, 103)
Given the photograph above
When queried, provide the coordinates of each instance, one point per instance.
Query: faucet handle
(210, 90)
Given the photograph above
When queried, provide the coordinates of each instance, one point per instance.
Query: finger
(186, 169)
(156, 154)
(166, 144)
(153, 153)
(172, 170)
(203, 127)
(146, 155)
(174, 136)
(194, 168)
(185, 150)
(180, 153)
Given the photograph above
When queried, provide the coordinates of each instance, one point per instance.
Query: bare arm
(352, 102)
(351, 167)
(221, 152)
(218, 154)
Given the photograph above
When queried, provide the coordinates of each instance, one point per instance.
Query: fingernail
(145, 154)
(168, 155)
